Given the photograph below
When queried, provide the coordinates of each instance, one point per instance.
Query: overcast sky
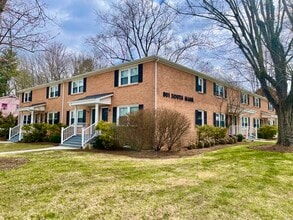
(75, 20)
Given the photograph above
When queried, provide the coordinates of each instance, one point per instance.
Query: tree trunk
(285, 124)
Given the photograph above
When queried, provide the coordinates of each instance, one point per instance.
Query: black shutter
(67, 117)
(196, 84)
(226, 121)
(84, 116)
(22, 98)
(248, 99)
(254, 124)
(260, 103)
(140, 107)
(114, 118)
(69, 88)
(47, 94)
(140, 73)
(31, 96)
(116, 78)
(254, 103)
(84, 84)
(215, 122)
(204, 86)
(58, 118)
(196, 118)
(59, 89)
(225, 88)
(248, 121)
(45, 117)
(215, 88)
(205, 117)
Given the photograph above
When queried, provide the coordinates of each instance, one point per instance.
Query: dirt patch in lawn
(150, 154)
(11, 163)
(274, 148)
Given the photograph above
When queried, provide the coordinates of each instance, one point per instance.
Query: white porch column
(32, 117)
(97, 114)
(75, 120)
(20, 118)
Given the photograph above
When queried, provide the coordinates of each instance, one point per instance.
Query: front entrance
(103, 114)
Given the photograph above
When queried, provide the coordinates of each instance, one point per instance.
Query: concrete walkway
(40, 149)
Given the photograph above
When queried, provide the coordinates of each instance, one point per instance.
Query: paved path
(38, 150)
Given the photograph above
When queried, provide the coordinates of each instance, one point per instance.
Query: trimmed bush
(240, 137)
(267, 131)
(35, 133)
(106, 140)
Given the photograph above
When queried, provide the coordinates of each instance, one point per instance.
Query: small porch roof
(104, 98)
(268, 115)
(34, 107)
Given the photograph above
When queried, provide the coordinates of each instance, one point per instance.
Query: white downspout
(62, 103)
(156, 83)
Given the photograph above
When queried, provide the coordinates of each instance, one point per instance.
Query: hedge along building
(149, 83)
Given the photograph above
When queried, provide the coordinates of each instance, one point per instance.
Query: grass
(5, 147)
(231, 183)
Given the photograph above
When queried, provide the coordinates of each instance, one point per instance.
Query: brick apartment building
(148, 83)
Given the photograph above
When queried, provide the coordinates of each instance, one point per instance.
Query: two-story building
(148, 83)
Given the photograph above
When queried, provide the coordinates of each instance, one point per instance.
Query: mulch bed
(150, 154)
(274, 148)
(11, 163)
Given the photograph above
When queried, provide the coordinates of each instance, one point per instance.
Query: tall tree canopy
(139, 28)
(263, 31)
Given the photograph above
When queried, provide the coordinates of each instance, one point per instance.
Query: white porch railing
(67, 133)
(14, 131)
(247, 132)
(88, 133)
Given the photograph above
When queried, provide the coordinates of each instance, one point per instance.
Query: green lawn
(231, 183)
(5, 147)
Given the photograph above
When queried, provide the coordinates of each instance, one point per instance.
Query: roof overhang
(103, 99)
(268, 115)
(35, 107)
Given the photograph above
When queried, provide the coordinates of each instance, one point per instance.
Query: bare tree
(140, 28)
(262, 30)
(82, 64)
(54, 63)
(22, 24)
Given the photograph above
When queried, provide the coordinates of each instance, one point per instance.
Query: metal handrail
(14, 131)
(67, 133)
(88, 133)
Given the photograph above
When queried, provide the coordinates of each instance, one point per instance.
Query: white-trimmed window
(270, 107)
(53, 117)
(256, 102)
(219, 90)
(124, 110)
(27, 97)
(80, 116)
(244, 98)
(244, 122)
(128, 76)
(200, 84)
(219, 120)
(26, 119)
(256, 123)
(200, 117)
(54, 91)
(77, 86)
